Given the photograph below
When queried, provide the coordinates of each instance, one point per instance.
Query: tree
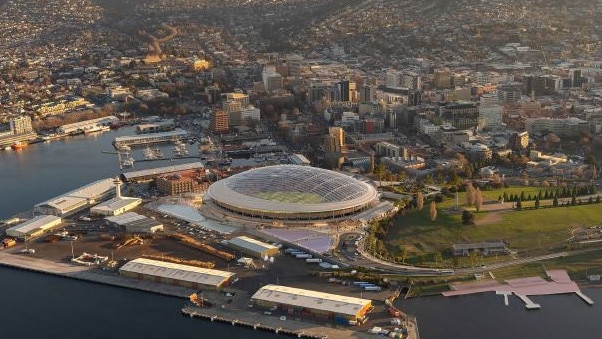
(403, 253)
(469, 194)
(438, 258)
(467, 218)
(380, 171)
(420, 201)
(433, 211)
(478, 199)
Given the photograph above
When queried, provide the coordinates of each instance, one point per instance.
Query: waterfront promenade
(559, 283)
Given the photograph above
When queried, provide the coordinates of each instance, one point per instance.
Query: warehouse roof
(125, 218)
(116, 204)
(177, 132)
(180, 272)
(39, 222)
(251, 244)
(162, 170)
(80, 195)
(311, 299)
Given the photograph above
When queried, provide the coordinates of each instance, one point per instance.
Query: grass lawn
(541, 229)
(533, 191)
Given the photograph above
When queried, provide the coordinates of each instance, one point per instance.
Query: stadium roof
(174, 271)
(311, 299)
(292, 189)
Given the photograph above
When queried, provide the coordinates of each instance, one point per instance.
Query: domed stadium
(291, 192)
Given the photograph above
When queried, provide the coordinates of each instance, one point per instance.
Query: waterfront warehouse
(135, 223)
(117, 205)
(34, 227)
(253, 247)
(312, 304)
(293, 192)
(152, 173)
(77, 200)
(152, 138)
(176, 274)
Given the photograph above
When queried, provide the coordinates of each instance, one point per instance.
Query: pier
(529, 304)
(85, 273)
(274, 324)
(558, 282)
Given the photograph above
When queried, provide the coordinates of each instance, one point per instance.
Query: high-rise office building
(461, 115)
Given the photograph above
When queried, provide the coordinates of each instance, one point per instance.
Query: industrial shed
(313, 304)
(176, 274)
(152, 173)
(34, 227)
(116, 206)
(135, 223)
(76, 200)
(252, 247)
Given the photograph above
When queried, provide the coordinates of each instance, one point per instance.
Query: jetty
(86, 273)
(558, 282)
(275, 324)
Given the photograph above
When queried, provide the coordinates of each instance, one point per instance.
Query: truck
(7, 242)
(312, 260)
(372, 288)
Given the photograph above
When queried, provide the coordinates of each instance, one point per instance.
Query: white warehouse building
(34, 227)
(76, 200)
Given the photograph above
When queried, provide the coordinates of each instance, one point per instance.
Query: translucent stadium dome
(292, 192)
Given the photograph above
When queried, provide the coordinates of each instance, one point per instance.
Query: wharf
(85, 273)
(256, 321)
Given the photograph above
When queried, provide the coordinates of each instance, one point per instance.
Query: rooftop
(188, 273)
(311, 299)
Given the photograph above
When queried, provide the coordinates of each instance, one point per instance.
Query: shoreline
(254, 321)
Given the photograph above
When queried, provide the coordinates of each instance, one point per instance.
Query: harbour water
(36, 305)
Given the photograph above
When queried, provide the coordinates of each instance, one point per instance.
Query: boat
(158, 153)
(129, 162)
(18, 145)
(124, 148)
(7, 148)
(149, 154)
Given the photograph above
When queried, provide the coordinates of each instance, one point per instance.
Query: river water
(36, 305)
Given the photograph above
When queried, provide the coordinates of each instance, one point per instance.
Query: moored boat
(18, 145)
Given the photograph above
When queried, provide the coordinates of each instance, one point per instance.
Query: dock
(529, 304)
(585, 298)
(236, 317)
(505, 294)
(260, 322)
(558, 282)
(85, 273)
